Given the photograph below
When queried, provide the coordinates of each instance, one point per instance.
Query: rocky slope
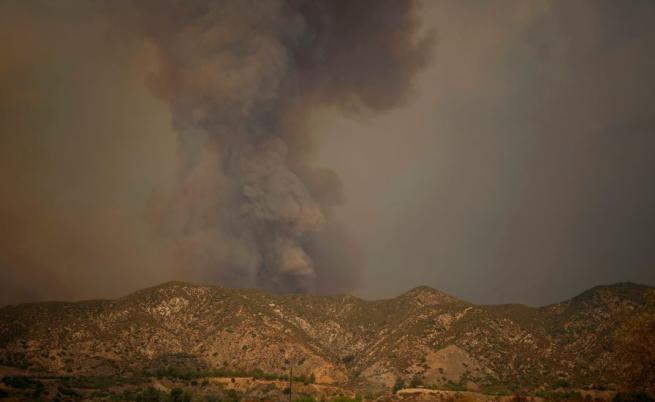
(424, 335)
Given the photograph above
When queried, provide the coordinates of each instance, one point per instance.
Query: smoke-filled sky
(501, 151)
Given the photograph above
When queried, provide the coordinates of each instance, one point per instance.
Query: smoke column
(242, 78)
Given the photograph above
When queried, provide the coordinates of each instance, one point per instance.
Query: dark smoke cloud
(243, 78)
(526, 164)
(520, 170)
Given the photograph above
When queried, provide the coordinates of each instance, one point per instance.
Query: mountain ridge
(614, 285)
(423, 335)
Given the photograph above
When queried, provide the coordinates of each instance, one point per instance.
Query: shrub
(345, 399)
(179, 395)
(87, 382)
(454, 387)
(416, 382)
(632, 397)
(232, 395)
(304, 398)
(560, 396)
(561, 383)
(518, 398)
(150, 395)
(398, 385)
(67, 391)
(22, 382)
(176, 393)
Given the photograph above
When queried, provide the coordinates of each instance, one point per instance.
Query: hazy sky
(521, 168)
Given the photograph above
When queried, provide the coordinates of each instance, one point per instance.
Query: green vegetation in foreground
(25, 383)
(336, 399)
(191, 374)
(398, 385)
(151, 394)
(180, 395)
(632, 397)
(85, 382)
(21, 382)
(72, 387)
(560, 395)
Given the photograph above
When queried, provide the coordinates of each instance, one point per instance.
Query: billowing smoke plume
(242, 78)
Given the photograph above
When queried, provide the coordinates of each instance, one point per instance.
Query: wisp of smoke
(242, 77)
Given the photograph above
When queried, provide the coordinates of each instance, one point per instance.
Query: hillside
(424, 335)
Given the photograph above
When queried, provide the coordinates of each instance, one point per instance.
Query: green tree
(398, 385)
(632, 397)
(304, 398)
(179, 395)
(232, 395)
(415, 382)
(176, 394)
(150, 395)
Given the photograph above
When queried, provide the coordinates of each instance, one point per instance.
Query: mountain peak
(426, 295)
(623, 290)
(172, 289)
